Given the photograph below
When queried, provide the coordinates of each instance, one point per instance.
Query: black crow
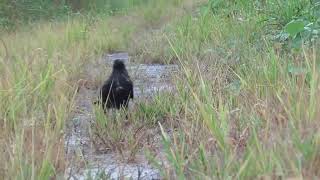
(118, 89)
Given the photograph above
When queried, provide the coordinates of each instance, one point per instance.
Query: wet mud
(83, 161)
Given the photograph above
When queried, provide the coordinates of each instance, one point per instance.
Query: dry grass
(238, 113)
(250, 116)
(41, 66)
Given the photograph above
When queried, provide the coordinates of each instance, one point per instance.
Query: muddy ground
(83, 158)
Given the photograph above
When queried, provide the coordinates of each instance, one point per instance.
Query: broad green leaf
(294, 27)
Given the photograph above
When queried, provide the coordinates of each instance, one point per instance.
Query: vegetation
(13, 13)
(246, 100)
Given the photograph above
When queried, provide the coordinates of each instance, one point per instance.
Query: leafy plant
(303, 28)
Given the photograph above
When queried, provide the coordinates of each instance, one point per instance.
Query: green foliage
(46, 171)
(296, 21)
(28, 10)
(294, 27)
(104, 6)
(229, 7)
(22, 11)
(244, 108)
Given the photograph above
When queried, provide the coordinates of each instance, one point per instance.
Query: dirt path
(83, 159)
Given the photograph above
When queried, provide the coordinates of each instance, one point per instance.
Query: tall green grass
(13, 13)
(40, 65)
(251, 107)
(245, 106)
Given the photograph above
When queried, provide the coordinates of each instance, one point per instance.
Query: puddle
(150, 79)
(82, 158)
(122, 55)
(108, 166)
(147, 79)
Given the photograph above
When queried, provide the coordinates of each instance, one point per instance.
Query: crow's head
(118, 65)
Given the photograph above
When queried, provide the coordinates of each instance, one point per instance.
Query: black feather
(118, 89)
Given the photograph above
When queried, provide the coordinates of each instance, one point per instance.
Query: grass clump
(129, 132)
(40, 66)
(13, 14)
(245, 105)
(251, 107)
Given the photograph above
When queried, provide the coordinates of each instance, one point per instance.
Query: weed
(40, 67)
(244, 107)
